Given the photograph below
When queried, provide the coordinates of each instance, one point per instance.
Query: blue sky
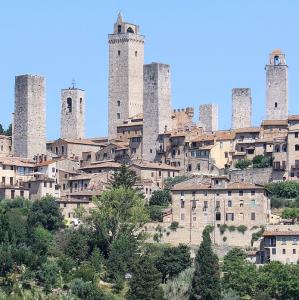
(212, 47)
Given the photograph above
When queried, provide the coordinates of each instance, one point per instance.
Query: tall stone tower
(29, 125)
(156, 107)
(241, 108)
(277, 86)
(208, 117)
(126, 59)
(72, 113)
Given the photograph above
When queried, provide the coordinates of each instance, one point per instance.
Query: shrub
(243, 163)
(174, 226)
(231, 228)
(222, 228)
(161, 198)
(242, 228)
(261, 161)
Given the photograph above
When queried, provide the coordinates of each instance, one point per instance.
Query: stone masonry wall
(72, 113)
(157, 107)
(208, 116)
(29, 126)
(241, 108)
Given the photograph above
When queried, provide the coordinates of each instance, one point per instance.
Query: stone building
(5, 145)
(72, 113)
(182, 118)
(29, 125)
(156, 107)
(208, 116)
(126, 59)
(241, 108)
(277, 86)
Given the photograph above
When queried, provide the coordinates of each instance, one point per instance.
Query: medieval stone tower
(208, 117)
(156, 107)
(277, 86)
(29, 125)
(241, 108)
(72, 113)
(126, 59)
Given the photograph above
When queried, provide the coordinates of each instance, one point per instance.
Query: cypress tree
(206, 278)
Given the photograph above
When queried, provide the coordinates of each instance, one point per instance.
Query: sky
(212, 46)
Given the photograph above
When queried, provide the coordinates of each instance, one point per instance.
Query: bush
(242, 228)
(261, 161)
(161, 198)
(222, 228)
(243, 163)
(155, 213)
(284, 189)
(174, 226)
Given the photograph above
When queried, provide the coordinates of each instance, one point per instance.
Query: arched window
(81, 105)
(69, 104)
(275, 104)
(277, 148)
(130, 30)
(284, 148)
(276, 60)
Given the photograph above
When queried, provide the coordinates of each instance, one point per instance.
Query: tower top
(123, 27)
(277, 57)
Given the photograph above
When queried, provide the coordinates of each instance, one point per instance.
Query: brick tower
(277, 86)
(241, 108)
(72, 113)
(29, 125)
(126, 59)
(156, 107)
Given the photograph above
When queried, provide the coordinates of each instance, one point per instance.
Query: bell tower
(277, 86)
(126, 59)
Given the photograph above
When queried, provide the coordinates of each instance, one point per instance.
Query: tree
(170, 181)
(161, 198)
(145, 281)
(42, 240)
(173, 261)
(239, 274)
(261, 161)
(243, 163)
(118, 211)
(46, 213)
(290, 213)
(124, 177)
(1, 129)
(284, 189)
(8, 132)
(49, 275)
(206, 279)
(86, 290)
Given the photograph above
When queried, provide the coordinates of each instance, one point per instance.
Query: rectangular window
(240, 193)
(205, 205)
(51, 184)
(229, 217)
(218, 216)
(284, 241)
(45, 184)
(273, 251)
(193, 204)
(296, 135)
(182, 217)
(3, 180)
(252, 216)
(118, 116)
(160, 173)
(152, 174)
(253, 203)
(283, 251)
(294, 241)
(252, 193)
(229, 203)
(182, 193)
(22, 194)
(294, 251)
(241, 203)
(182, 204)
(12, 194)
(229, 193)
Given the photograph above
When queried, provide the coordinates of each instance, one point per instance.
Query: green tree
(8, 132)
(86, 290)
(284, 189)
(49, 275)
(290, 213)
(1, 129)
(261, 161)
(173, 261)
(155, 212)
(6, 259)
(42, 240)
(239, 274)
(161, 198)
(206, 278)
(170, 181)
(123, 177)
(46, 213)
(145, 281)
(243, 163)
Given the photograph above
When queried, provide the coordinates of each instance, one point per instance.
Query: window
(152, 174)
(252, 193)
(296, 147)
(51, 184)
(240, 193)
(226, 154)
(118, 103)
(276, 61)
(81, 105)
(206, 193)
(189, 167)
(198, 166)
(12, 194)
(205, 205)
(273, 251)
(252, 216)
(229, 217)
(11, 180)
(229, 203)
(241, 203)
(65, 175)
(118, 52)
(284, 241)
(182, 217)
(53, 170)
(136, 53)
(118, 116)
(283, 251)
(275, 104)
(294, 251)
(217, 204)
(294, 241)
(3, 180)
(119, 28)
(296, 135)
(182, 203)
(253, 203)
(63, 186)
(229, 193)
(218, 216)
(64, 204)
(160, 173)
(130, 30)
(22, 194)
(69, 104)
(193, 204)
(45, 184)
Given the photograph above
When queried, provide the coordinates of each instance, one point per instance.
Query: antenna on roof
(73, 83)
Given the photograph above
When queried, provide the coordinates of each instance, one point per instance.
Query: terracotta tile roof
(248, 130)
(78, 141)
(46, 163)
(202, 137)
(99, 165)
(225, 135)
(274, 122)
(293, 118)
(15, 161)
(281, 233)
(150, 165)
(131, 124)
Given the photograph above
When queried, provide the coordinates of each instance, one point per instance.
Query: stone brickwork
(182, 118)
(157, 106)
(277, 86)
(72, 113)
(126, 59)
(208, 116)
(29, 125)
(255, 175)
(241, 108)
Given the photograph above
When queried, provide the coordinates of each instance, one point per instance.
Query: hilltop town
(215, 177)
